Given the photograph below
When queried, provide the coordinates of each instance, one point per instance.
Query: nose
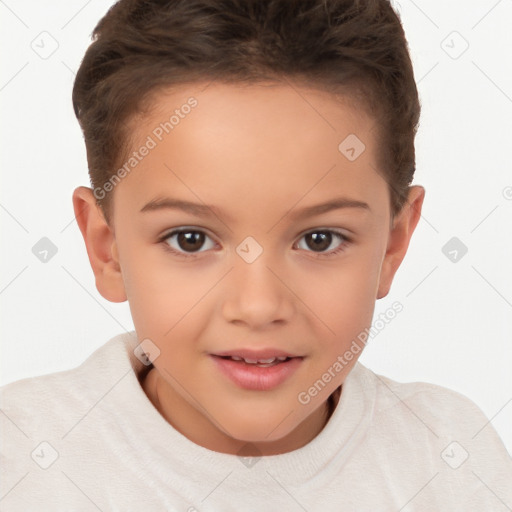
(257, 294)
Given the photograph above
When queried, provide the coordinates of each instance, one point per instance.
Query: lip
(253, 377)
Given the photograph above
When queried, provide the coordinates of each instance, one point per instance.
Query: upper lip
(246, 353)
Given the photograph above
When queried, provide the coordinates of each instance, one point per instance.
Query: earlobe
(100, 244)
(399, 237)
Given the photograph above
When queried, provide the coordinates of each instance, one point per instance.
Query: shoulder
(441, 405)
(446, 435)
(48, 403)
(432, 399)
(430, 410)
(50, 422)
(434, 415)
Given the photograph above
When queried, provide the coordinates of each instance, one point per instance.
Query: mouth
(257, 371)
(260, 363)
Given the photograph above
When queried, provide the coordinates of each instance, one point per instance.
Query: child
(278, 137)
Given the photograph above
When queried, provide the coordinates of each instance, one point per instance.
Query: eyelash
(345, 241)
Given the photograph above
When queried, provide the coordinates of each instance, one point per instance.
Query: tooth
(267, 361)
(236, 358)
(282, 358)
(250, 361)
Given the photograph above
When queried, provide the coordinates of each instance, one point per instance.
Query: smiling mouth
(261, 363)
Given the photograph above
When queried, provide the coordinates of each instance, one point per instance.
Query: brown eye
(319, 241)
(190, 240)
(187, 240)
(322, 241)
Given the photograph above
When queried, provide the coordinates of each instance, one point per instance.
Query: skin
(257, 154)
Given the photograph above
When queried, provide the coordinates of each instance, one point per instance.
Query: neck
(191, 423)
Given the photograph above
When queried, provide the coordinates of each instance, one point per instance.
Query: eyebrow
(204, 210)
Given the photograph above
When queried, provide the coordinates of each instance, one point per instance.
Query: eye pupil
(190, 241)
(195, 239)
(322, 240)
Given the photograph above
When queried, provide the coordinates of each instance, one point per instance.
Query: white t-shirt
(89, 439)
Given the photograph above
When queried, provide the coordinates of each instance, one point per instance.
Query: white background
(456, 326)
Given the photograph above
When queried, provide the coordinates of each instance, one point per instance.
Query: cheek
(343, 305)
(345, 292)
(148, 289)
(168, 305)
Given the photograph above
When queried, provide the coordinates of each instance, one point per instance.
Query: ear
(101, 245)
(399, 237)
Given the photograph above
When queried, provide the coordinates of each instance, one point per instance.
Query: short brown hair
(356, 47)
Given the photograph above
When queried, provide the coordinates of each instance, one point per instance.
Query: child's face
(258, 156)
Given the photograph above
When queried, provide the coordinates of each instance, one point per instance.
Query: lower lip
(250, 376)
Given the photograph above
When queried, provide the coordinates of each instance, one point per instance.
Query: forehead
(217, 141)
(268, 107)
